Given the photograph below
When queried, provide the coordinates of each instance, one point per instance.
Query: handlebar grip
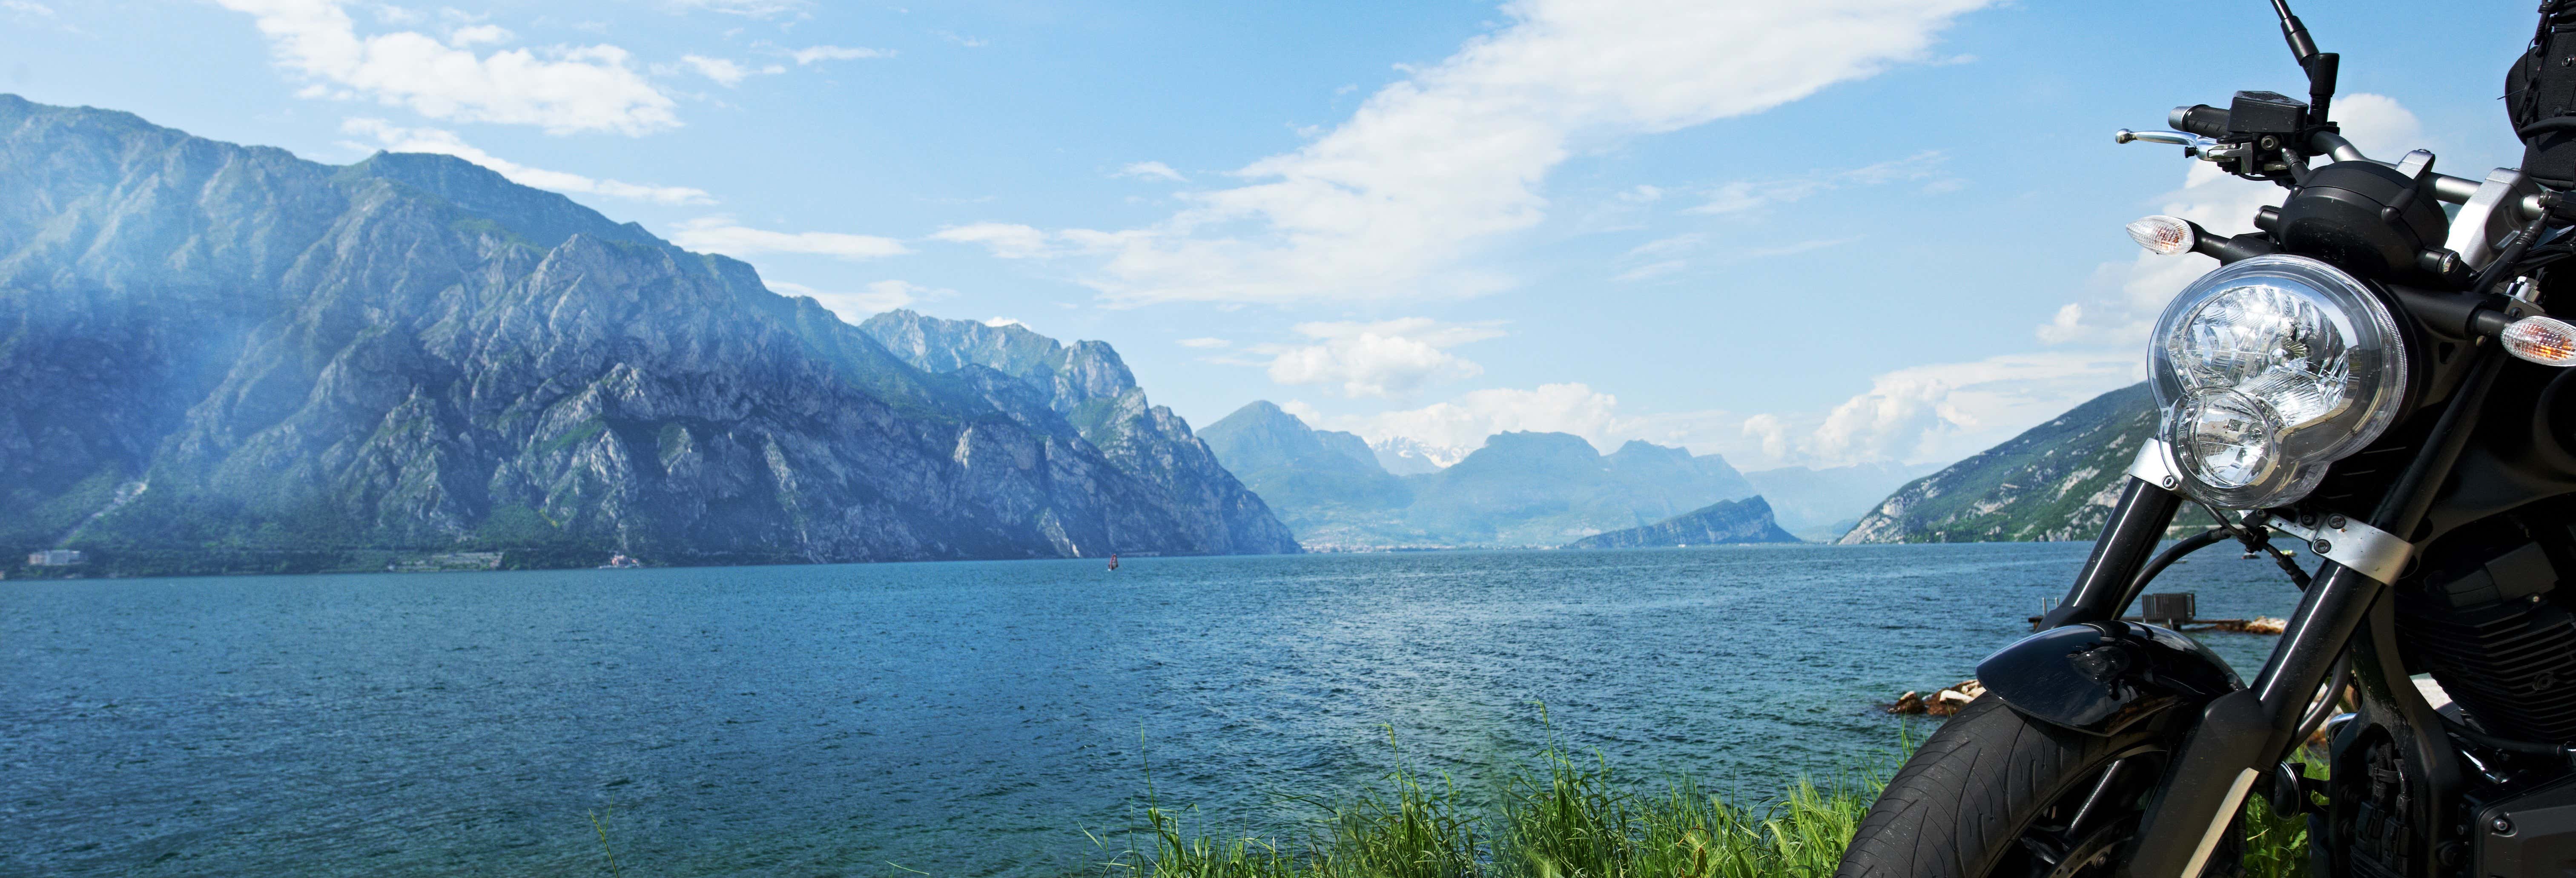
(2201, 119)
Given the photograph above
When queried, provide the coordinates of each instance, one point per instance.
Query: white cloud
(1205, 343)
(1434, 168)
(1386, 358)
(1151, 171)
(572, 89)
(724, 71)
(998, 322)
(811, 54)
(749, 8)
(719, 234)
(1744, 195)
(871, 300)
(1664, 257)
(443, 142)
(478, 34)
(28, 8)
(1006, 240)
(1943, 412)
(1652, 270)
(1465, 422)
(1926, 414)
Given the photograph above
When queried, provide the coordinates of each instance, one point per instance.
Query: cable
(2258, 539)
(2189, 544)
(2527, 748)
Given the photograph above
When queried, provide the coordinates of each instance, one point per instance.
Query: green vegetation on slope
(2055, 481)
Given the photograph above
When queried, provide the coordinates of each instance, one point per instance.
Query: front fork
(2242, 734)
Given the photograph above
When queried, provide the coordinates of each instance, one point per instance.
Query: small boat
(1113, 560)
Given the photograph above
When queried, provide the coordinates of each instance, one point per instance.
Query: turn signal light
(2544, 340)
(2163, 235)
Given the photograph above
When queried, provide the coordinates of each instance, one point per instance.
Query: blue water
(957, 719)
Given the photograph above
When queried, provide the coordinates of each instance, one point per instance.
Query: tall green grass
(1563, 817)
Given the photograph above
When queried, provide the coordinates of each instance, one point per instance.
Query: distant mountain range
(2055, 481)
(220, 358)
(1520, 489)
(1725, 522)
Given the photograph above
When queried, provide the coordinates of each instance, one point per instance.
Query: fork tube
(2101, 592)
(2242, 732)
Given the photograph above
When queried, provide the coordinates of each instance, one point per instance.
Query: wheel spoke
(2095, 797)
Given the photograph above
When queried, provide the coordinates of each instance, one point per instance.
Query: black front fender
(2102, 677)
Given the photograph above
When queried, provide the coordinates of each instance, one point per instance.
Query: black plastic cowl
(2102, 677)
(2368, 219)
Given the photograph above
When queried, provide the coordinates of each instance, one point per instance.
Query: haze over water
(960, 718)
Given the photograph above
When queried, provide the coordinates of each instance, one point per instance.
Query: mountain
(1325, 485)
(2055, 481)
(1520, 489)
(1823, 504)
(217, 357)
(1525, 489)
(1726, 521)
(1409, 457)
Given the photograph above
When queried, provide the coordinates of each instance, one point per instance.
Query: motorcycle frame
(2239, 737)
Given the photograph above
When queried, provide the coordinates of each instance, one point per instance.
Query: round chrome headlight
(2269, 370)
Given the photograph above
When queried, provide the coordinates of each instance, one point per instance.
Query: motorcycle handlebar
(2209, 121)
(2456, 190)
(2201, 119)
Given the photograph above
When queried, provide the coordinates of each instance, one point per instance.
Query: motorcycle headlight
(2269, 370)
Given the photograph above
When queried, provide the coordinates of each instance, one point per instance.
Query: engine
(2484, 619)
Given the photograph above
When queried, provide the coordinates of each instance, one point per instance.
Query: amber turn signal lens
(2162, 235)
(2544, 340)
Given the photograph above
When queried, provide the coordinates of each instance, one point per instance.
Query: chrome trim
(2452, 189)
(2415, 162)
(2480, 224)
(2192, 144)
(2352, 543)
(2154, 465)
(2218, 828)
(2334, 724)
(2328, 143)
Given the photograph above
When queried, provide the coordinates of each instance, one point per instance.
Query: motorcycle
(2370, 372)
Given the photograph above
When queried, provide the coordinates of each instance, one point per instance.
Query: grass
(1565, 817)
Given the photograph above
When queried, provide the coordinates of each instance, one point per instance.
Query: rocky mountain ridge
(218, 357)
(1519, 489)
(2055, 481)
(1725, 522)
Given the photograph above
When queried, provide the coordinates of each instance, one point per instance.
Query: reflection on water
(964, 718)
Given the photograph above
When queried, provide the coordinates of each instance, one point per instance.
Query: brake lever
(2192, 144)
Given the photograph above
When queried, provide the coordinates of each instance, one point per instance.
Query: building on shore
(57, 558)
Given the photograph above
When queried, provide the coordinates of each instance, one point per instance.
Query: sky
(1816, 233)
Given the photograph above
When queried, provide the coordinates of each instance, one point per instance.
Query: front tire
(1994, 794)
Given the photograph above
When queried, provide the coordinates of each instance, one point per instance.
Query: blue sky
(1813, 233)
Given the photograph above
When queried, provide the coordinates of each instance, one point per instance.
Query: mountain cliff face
(223, 357)
(2056, 481)
(1725, 522)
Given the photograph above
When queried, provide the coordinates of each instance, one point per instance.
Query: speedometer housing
(2268, 371)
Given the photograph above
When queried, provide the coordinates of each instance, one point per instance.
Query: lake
(956, 718)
